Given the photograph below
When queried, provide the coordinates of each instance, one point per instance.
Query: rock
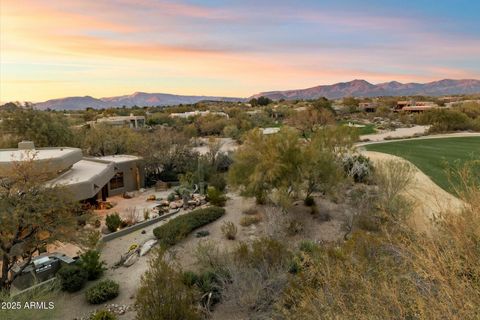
(131, 260)
(192, 202)
(164, 203)
(151, 197)
(128, 195)
(143, 232)
(147, 246)
(173, 205)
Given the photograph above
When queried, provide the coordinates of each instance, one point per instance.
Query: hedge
(179, 228)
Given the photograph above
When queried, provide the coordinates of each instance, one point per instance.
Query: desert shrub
(445, 120)
(103, 315)
(393, 178)
(163, 293)
(72, 278)
(178, 228)
(216, 197)
(308, 246)
(203, 233)
(263, 253)
(189, 278)
(251, 211)
(294, 227)
(357, 166)
(91, 263)
(249, 220)
(229, 230)
(101, 292)
(113, 222)
(257, 273)
(218, 181)
(309, 201)
(209, 285)
(171, 196)
(223, 161)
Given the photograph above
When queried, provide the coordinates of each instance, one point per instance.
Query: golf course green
(435, 156)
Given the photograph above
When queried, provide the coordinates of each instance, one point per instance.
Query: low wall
(136, 227)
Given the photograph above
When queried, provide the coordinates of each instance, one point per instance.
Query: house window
(117, 181)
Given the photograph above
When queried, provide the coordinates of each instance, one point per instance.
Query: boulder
(173, 205)
(151, 197)
(164, 203)
(131, 260)
(147, 246)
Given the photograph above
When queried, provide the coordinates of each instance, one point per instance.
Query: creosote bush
(229, 230)
(163, 293)
(178, 228)
(103, 291)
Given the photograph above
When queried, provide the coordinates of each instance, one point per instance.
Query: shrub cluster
(103, 315)
(216, 197)
(113, 222)
(357, 166)
(72, 278)
(91, 263)
(103, 291)
(249, 220)
(178, 228)
(229, 230)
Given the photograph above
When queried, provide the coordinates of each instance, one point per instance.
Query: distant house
(85, 178)
(415, 106)
(186, 115)
(131, 121)
(368, 106)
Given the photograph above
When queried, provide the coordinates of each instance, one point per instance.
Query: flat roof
(47, 159)
(86, 177)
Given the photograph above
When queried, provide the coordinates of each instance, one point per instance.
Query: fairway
(434, 156)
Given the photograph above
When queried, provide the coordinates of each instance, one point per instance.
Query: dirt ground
(429, 199)
(129, 278)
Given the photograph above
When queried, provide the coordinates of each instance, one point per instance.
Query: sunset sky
(53, 49)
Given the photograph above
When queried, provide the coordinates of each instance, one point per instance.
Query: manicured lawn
(367, 129)
(434, 156)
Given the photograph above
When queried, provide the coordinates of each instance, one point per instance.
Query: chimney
(26, 145)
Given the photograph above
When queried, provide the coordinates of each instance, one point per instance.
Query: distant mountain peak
(363, 88)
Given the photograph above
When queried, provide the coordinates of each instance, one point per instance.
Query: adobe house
(86, 178)
(129, 174)
(131, 121)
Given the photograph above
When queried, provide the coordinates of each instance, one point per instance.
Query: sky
(53, 49)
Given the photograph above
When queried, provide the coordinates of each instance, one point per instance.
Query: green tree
(46, 129)
(265, 163)
(32, 216)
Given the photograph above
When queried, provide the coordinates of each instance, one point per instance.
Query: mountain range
(362, 88)
(355, 88)
(136, 99)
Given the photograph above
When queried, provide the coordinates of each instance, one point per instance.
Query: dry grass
(249, 220)
(395, 273)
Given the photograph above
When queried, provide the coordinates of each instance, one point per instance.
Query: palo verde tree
(33, 214)
(285, 166)
(267, 163)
